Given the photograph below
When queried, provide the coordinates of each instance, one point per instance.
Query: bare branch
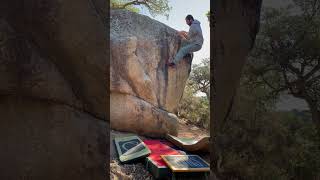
(267, 83)
(136, 2)
(314, 70)
(280, 89)
(152, 3)
(294, 69)
(312, 80)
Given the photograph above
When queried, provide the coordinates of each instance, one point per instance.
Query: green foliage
(118, 4)
(200, 77)
(286, 56)
(155, 7)
(208, 13)
(260, 143)
(303, 145)
(193, 107)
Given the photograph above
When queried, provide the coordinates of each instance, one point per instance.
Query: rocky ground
(137, 171)
(128, 171)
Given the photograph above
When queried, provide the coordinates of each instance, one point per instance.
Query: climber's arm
(186, 36)
(183, 34)
(191, 33)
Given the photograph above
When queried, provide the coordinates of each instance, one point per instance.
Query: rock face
(53, 89)
(143, 89)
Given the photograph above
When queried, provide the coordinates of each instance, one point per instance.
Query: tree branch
(152, 3)
(267, 83)
(314, 70)
(308, 21)
(277, 91)
(294, 70)
(287, 82)
(136, 2)
(312, 80)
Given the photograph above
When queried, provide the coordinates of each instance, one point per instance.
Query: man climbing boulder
(193, 40)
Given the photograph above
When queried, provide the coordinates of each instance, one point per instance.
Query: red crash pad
(154, 163)
(158, 148)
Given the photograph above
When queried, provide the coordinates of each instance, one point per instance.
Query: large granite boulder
(53, 60)
(144, 91)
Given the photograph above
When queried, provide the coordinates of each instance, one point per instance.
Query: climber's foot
(188, 55)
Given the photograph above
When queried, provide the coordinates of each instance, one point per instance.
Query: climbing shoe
(188, 56)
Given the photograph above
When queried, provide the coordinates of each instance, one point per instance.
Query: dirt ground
(191, 131)
(137, 171)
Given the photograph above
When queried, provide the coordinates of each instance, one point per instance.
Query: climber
(193, 39)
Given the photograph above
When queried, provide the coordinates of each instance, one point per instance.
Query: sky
(180, 9)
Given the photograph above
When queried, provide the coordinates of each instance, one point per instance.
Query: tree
(155, 7)
(235, 27)
(200, 77)
(194, 108)
(287, 53)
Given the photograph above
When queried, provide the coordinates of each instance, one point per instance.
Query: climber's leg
(184, 51)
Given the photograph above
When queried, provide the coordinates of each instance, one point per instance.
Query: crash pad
(154, 163)
(131, 148)
(190, 144)
(186, 163)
